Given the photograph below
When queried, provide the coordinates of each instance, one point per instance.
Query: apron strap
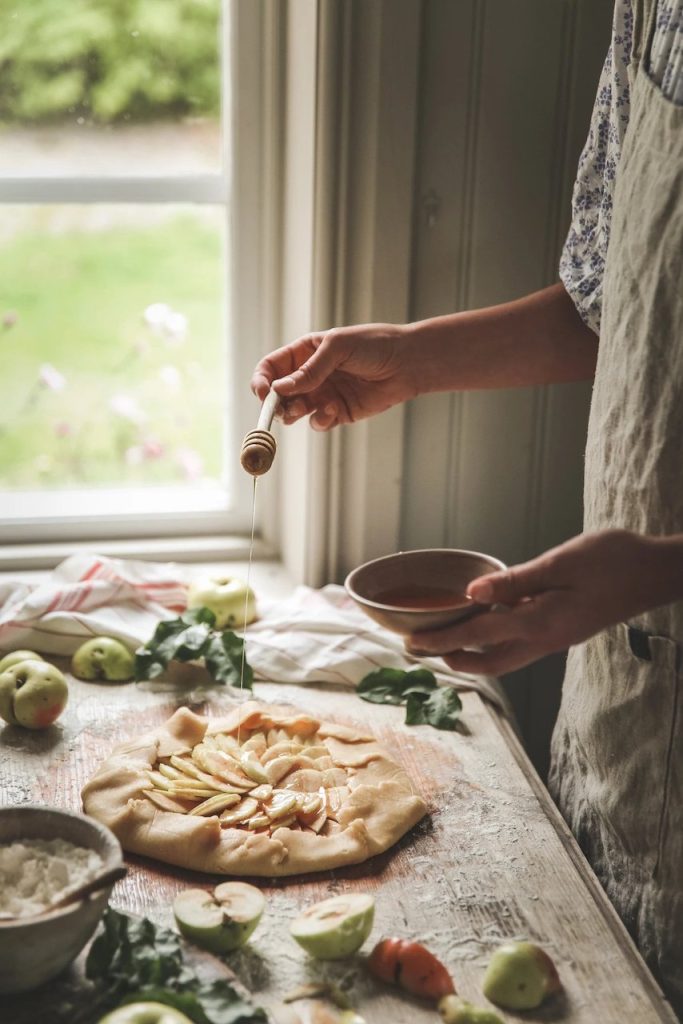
(644, 22)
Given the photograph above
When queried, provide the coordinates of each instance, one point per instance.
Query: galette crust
(377, 809)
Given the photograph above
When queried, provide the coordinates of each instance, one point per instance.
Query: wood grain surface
(492, 861)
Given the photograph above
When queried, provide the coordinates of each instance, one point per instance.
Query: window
(122, 409)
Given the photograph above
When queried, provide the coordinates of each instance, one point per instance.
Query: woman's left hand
(560, 598)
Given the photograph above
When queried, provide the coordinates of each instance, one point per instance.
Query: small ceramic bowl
(419, 590)
(35, 949)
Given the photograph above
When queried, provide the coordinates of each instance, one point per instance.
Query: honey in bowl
(420, 597)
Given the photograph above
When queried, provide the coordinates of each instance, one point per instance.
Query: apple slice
(222, 921)
(242, 812)
(335, 928)
(252, 767)
(215, 804)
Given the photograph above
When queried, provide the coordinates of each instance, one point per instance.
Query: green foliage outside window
(108, 60)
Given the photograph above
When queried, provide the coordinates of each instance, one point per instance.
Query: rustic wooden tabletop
(492, 861)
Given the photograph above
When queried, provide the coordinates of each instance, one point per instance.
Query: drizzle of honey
(421, 597)
(246, 598)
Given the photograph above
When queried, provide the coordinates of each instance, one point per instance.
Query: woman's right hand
(340, 376)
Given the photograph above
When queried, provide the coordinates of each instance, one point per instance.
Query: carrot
(412, 967)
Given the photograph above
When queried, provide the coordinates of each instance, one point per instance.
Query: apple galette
(265, 790)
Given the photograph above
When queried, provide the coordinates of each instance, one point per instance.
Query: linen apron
(617, 751)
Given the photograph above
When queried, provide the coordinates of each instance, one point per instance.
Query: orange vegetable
(410, 965)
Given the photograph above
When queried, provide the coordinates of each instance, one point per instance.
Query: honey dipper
(258, 447)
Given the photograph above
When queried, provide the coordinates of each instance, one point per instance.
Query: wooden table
(493, 861)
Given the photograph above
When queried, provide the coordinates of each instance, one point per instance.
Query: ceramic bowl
(35, 949)
(439, 576)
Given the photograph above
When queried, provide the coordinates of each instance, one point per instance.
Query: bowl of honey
(418, 590)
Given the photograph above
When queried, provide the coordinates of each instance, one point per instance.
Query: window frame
(245, 29)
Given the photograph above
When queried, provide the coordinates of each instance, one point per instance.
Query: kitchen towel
(312, 636)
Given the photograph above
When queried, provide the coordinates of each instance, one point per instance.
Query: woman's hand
(561, 598)
(342, 375)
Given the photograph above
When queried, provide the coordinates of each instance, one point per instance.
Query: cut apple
(252, 767)
(215, 804)
(336, 927)
(282, 804)
(244, 810)
(222, 921)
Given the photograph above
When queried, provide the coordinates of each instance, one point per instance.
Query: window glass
(112, 347)
(109, 87)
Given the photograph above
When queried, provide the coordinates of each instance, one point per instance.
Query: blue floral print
(582, 263)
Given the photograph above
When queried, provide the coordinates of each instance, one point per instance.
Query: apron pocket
(652, 691)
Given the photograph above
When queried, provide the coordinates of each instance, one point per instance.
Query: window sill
(210, 549)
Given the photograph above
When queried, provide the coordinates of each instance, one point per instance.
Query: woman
(615, 593)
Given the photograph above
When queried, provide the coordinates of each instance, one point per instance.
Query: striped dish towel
(311, 636)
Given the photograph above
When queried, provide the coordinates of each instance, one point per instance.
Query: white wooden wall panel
(506, 94)
(375, 283)
(450, 58)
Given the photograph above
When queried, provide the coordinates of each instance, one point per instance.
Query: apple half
(220, 921)
(336, 927)
(103, 657)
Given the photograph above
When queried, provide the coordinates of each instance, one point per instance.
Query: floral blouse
(583, 259)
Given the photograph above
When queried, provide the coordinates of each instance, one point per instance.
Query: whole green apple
(103, 658)
(145, 1013)
(32, 694)
(16, 656)
(220, 922)
(336, 927)
(454, 1010)
(226, 597)
(520, 976)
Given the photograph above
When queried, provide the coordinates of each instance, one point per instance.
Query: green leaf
(190, 637)
(426, 702)
(441, 708)
(223, 657)
(183, 638)
(393, 685)
(419, 680)
(131, 959)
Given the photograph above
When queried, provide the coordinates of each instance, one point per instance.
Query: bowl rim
(111, 856)
(496, 565)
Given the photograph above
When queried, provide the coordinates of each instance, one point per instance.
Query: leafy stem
(188, 638)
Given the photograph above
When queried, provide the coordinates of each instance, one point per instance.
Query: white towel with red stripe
(312, 636)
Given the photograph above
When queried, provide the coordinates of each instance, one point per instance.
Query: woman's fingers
(483, 630)
(511, 585)
(324, 356)
(282, 362)
(506, 657)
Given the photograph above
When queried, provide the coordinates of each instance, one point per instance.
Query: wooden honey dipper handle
(258, 447)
